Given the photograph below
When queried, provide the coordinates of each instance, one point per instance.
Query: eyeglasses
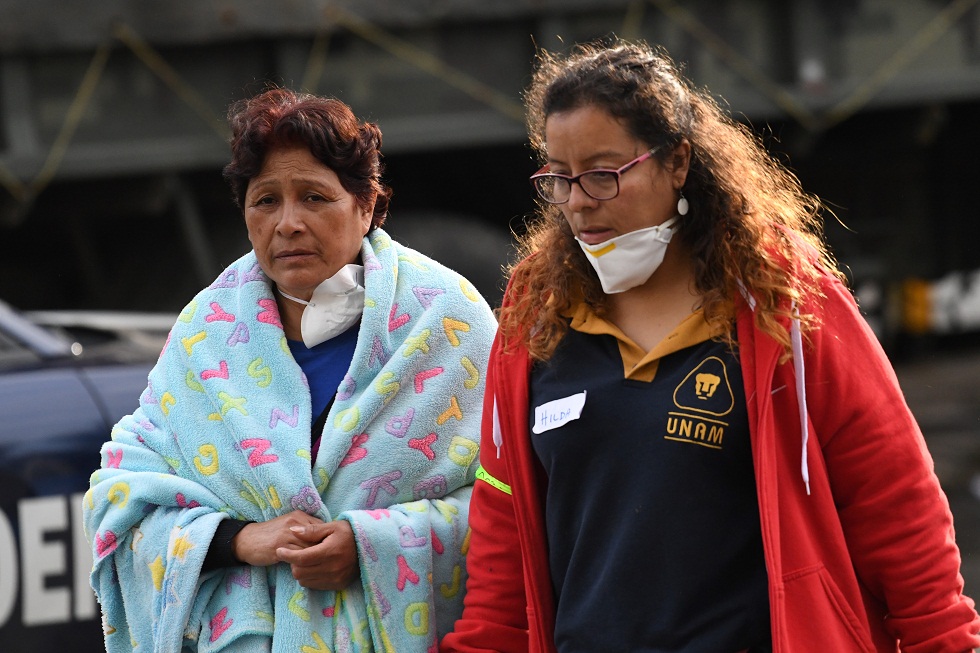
(599, 184)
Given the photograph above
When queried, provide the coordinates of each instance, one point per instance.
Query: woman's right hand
(256, 544)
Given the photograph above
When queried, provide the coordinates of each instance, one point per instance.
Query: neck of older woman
(650, 311)
(291, 315)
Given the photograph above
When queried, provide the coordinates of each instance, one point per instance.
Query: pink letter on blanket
(113, 459)
(219, 314)
(436, 542)
(258, 457)
(356, 451)
(184, 503)
(270, 312)
(106, 544)
(219, 625)
(424, 376)
(424, 445)
(397, 322)
(221, 372)
(405, 573)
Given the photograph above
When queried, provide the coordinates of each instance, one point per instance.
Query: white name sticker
(558, 412)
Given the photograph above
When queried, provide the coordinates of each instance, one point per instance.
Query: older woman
(693, 432)
(297, 475)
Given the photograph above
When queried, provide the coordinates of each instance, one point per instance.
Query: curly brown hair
(280, 117)
(750, 224)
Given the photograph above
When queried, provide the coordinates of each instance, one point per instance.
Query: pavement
(943, 390)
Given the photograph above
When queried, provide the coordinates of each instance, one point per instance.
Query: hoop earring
(682, 205)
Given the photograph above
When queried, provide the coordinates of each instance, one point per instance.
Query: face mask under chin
(627, 261)
(335, 306)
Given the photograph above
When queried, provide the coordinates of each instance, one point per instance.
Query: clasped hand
(322, 555)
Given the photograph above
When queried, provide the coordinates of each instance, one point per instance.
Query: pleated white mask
(337, 303)
(627, 261)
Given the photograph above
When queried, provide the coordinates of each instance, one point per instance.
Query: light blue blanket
(223, 430)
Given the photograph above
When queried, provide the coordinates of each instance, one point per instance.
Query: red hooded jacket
(867, 561)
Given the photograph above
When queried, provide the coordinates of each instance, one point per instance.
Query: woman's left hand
(329, 562)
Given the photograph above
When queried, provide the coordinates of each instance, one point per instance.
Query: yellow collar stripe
(638, 363)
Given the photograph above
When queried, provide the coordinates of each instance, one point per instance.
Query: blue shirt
(325, 366)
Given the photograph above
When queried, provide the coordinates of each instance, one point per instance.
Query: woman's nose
(290, 217)
(578, 199)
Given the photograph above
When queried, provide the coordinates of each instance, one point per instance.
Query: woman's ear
(367, 217)
(366, 213)
(680, 160)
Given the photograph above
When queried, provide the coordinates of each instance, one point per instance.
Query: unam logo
(706, 389)
(706, 384)
(704, 396)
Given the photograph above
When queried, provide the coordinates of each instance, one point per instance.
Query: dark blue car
(61, 390)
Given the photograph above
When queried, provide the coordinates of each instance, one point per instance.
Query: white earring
(682, 205)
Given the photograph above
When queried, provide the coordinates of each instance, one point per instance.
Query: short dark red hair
(280, 117)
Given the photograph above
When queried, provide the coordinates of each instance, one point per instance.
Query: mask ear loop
(295, 299)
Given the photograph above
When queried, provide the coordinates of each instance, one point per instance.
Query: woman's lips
(595, 236)
(293, 255)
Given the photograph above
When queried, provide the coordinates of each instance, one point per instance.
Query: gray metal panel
(434, 73)
(38, 25)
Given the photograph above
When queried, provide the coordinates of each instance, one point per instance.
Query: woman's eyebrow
(262, 181)
(592, 158)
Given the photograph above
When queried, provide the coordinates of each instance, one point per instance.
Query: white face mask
(627, 261)
(337, 303)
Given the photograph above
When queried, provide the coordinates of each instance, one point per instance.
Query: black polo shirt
(652, 518)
